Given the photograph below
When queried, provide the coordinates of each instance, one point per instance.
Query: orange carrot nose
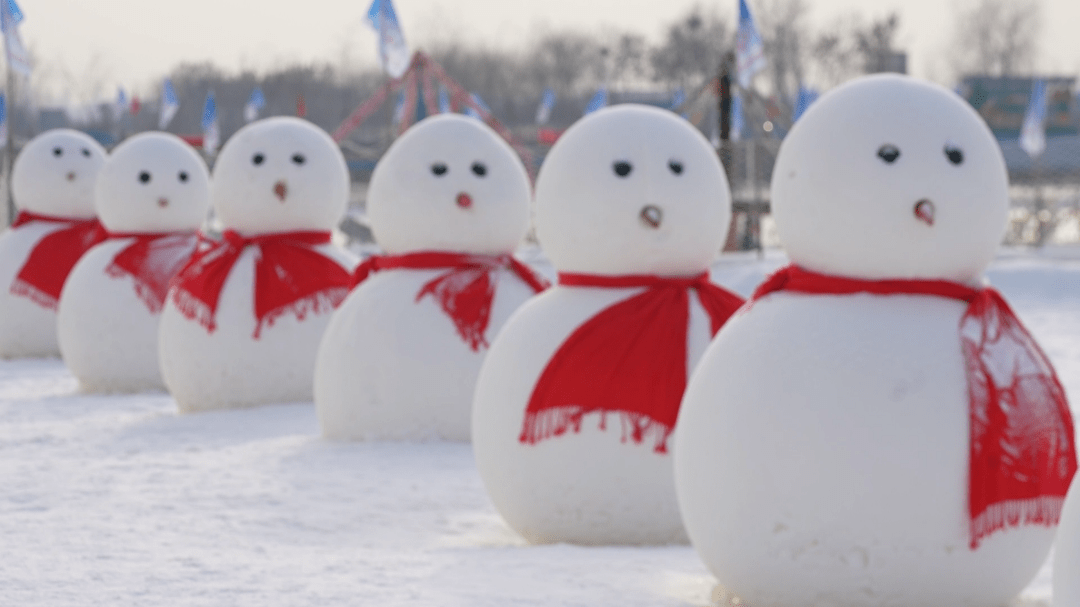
(281, 190)
(71, 176)
(924, 211)
(464, 200)
(163, 202)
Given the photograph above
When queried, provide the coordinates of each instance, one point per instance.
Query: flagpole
(9, 150)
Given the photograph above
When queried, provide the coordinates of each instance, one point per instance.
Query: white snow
(121, 501)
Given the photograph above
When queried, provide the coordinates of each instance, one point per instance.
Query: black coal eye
(889, 153)
(479, 169)
(954, 154)
(622, 168)
(183, 176)
(439, 169)
(58, 152)
(86, 152)
(675, 166)
(298, 158)
(144, 177)
(258, 159)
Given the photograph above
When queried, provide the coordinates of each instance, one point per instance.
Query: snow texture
(120, 501)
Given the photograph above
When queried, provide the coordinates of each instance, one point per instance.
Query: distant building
(887, 62)
(1003, 100)
(52, 118)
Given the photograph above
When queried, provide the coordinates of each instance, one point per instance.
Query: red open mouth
(281, 190)
(464, 200)
(652, 216)
(163, 202)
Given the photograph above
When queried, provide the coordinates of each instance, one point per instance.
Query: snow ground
(117, 500)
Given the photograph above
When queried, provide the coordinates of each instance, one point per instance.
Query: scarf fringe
(556, 421)
(22, 288)
(1043, 510)
(320, 302)
(144, 291)
(194, 308)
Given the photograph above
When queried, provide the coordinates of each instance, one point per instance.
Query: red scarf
(629, 358)
(50, 261)
(290, 276)
(151, 261)
(1022, 450)
(465, 292)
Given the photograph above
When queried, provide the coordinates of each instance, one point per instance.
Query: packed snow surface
(118, 500)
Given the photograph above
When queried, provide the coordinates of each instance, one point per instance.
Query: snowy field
(119, 501)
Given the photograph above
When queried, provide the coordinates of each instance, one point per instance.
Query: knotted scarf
(42, 276)
(151, 260)
(630, 358)
(1022, 451)
(465, 292)
(290, 276)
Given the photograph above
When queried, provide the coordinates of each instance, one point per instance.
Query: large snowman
(577, 399)
(53, 185)
(152, 195)
(243, 320)
(1066, 580)
(449, 203)
(876, 427)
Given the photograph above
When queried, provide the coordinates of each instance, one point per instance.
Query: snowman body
(58, 185)
(627, 191)
(153, 183)
(274, 176)
(824, 446)
(1066, 580)
(393, 365)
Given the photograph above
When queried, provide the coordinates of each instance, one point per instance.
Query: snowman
(577, 400)
(243, 320)
(53, 185)
(449, 203)
(1066, 581)
(876, 427)
(152, 195)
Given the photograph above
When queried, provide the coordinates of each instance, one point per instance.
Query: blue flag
(170, 104)
(10, 17)
(599, 100)
(738, 120)
(1033, 133)
(211, 131)
(749, 51)
(3, 121)
(802, 102)
(399, 108)
(480, 103)
(394, 53)
(547, 102)
(444, 100)
(255, 103)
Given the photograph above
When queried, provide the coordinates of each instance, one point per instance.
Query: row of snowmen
(874, 427)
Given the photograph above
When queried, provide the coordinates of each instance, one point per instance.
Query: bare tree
(996, 37)
(784, 34)
(692, 48)
(852, 46)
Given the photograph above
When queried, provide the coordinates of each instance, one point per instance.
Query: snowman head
(449, 183)
(280, 175)
(891, 177)
(153, 182)
(55, 174)
(632, 190)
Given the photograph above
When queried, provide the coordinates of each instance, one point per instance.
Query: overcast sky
(134, 42)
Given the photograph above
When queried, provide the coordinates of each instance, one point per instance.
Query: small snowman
(1066, 580)
(577, 400)
(152, 195)
(53, 185)
(876, 427)
(449, 203)
(243, 319)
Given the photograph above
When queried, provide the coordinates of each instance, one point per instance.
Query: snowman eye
(58, 152)
(86, 152)
(676, 167)
(257, 159)
(954, 154)
(183, 176)
(622, 168)
(889, 153)
(298, 159)
(479, 169)
(439, 169)
(144, 177)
